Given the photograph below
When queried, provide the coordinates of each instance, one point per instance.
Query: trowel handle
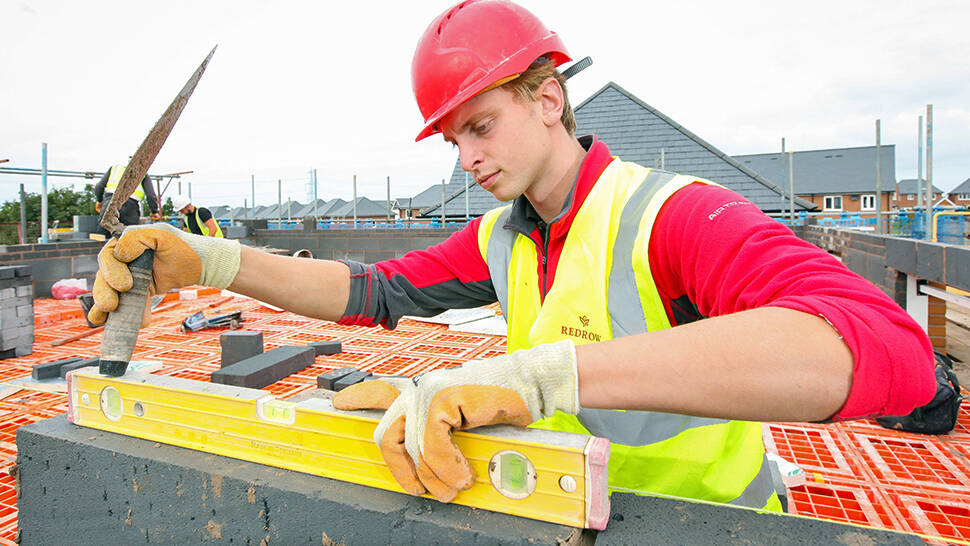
(121, 329)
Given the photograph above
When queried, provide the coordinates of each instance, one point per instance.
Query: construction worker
(130, 212)
(624, 288)
(198, 220)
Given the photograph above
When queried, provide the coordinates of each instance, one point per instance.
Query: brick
(929, 263)
(25, 311)
(48, 370)
(326, 381)
(7, 272)
(8, 293)
(240, 345)
(266, 368)
(331, 347)
(22, 270)
(25, 290)
(350, 379)
(958, 267)
(94, 361)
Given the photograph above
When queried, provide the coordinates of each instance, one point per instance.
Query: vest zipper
(544, 232)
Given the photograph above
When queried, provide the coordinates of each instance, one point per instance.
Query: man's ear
(551, 101)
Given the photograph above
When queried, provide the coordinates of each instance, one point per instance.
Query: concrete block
(84, 264)
(958, 267)
(85, 485)
(48, 370)
(929, 261)
(8, 293)
(52, 269)
(240, 345)
(901, 254)
(7, 272)
(350, 379)
(266, 368)
(310, 223)
(25, 290)
(94, 361)
(22, 270)
(237, 232)
(331, 347)
(326, 381)
(25, 311)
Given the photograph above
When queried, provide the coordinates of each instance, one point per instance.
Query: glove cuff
(553, 369)
(220, 261)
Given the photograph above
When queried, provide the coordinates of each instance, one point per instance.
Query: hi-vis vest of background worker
(116, 173)
(203, 227)
(602, 272)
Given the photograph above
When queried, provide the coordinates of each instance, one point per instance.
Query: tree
(62, 204)
(167, 209)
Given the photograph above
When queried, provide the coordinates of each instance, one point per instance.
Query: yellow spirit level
(545, 475)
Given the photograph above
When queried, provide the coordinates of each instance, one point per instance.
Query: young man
(593, 263)
(198, 220)
(130, 212)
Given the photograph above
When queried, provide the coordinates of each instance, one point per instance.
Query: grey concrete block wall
(16, 311)
(80, 485)
(363, 245)
(938, 262)
(54, 261)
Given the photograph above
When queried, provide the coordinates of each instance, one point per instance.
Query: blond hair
(528, 82)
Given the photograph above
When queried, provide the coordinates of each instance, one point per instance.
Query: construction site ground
(856, 472)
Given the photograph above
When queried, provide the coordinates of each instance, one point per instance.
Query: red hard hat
(472, 46)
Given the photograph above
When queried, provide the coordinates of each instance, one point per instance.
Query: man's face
(501, 141)
(186, 209)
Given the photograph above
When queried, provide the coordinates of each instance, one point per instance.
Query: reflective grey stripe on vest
(759, 489)
(498, 256)
(634, 428)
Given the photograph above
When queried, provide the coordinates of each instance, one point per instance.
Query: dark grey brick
(929, 261)
(266, 368)
(374, 256)
(48, 370)
(240, 345)
(326, 381)
(42, 288)
(94, 361)
(901, 254)
(331, 347)
(7, 272)
(958, 267)
(85, 264)
(855, 261)
(350, 379)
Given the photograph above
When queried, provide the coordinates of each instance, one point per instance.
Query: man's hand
(415, 433)
(97, 206)
(181, 259)
(154, 217)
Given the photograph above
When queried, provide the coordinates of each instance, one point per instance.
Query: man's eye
(483, 127)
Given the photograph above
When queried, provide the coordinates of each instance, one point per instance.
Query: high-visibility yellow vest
(203, 227)
(115, 177)
(604, 289)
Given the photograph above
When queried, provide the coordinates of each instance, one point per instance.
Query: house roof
(366, 208)
(908, 185)
(962, 187)
(830, 171)
(637, 132)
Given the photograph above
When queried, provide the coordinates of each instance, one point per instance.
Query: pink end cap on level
(70, 398)
(597, 483)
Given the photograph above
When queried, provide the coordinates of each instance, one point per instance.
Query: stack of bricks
(16, 311)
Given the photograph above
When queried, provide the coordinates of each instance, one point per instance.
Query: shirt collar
(523, 216)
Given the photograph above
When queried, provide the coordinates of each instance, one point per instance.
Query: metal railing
(951, 227)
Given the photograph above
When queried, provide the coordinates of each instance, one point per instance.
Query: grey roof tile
(635, 132)
(831, 171)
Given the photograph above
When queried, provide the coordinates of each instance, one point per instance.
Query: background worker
(198, 220)
(130, 212)
(625, 288)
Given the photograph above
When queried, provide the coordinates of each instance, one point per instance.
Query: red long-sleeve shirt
(711, 252)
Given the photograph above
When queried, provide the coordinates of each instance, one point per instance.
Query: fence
(951, 228)
(10, 233)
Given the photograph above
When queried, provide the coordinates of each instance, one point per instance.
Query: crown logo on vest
(584, 320)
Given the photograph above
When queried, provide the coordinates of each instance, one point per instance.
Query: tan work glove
(181, 259)
(154, 216)
(415, 433)
(97, 206)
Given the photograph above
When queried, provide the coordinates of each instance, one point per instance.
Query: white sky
(326, 85)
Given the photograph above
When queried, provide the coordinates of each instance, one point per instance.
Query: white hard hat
(179, 202)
